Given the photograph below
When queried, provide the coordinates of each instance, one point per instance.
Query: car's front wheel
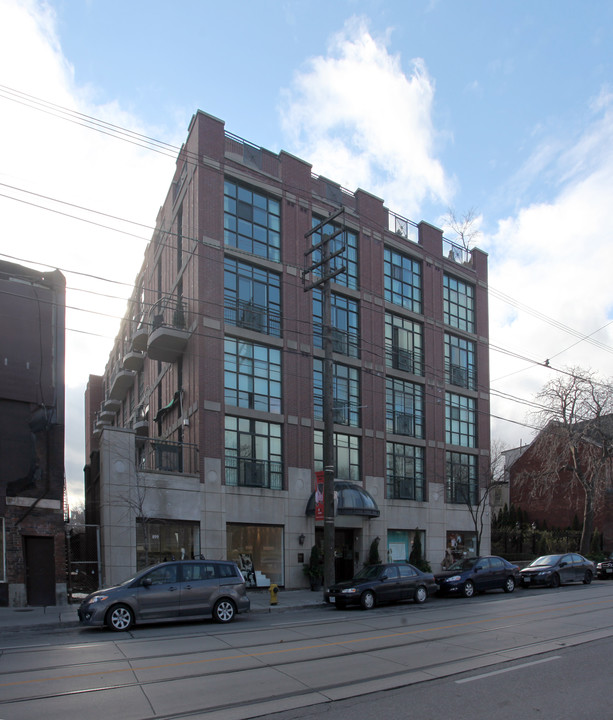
(120, 618)
(587, 578)
(224, 611)
(468, 589)
(555, 581)
(367, 601)
(421, 595)
(509, 584)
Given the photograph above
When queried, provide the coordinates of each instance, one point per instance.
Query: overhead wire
(147, 142)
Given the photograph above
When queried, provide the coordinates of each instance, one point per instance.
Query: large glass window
(162, 540)
(348, 240)
(346, 455)
(252, 376)
(458, 304)
(461, 544)
(252, 221)
(256, 548)
(253, 453)
(404, 344)
(404, 408)
(461, 478)
(405, 472)
(402, 277)
(460, 362)
(345, 324)
(400, 543)
(460, 420)
(252, 297)
(345, 391)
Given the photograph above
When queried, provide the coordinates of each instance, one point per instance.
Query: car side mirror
(384, 577)
(563, 564)
(479, 567)
(146, 582)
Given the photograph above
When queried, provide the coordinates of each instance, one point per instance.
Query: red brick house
(560, 500)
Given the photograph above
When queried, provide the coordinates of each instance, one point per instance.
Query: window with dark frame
(252, 221)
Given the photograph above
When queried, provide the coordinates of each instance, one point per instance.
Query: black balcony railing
(168, 311)
(250, 316)
(157, 455)
(461, 376)
(410, 361)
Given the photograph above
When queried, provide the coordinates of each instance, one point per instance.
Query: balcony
(169, 336)
(133, 360)
(139, 339)
(121, 382)
(106, 416)
(158, 455)
(103, 419)
(111, 405)
(141, 421)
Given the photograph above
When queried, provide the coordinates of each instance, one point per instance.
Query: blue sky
(502, 108)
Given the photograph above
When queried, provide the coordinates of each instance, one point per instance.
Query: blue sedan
(477, 574)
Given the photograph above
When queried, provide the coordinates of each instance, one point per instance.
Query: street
(264, 664)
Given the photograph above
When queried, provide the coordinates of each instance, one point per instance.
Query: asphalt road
(292, 663)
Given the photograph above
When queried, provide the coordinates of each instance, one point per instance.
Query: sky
(502, 110)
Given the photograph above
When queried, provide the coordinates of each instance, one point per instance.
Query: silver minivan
(178, 590)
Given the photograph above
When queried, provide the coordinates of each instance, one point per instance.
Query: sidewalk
(66, 615)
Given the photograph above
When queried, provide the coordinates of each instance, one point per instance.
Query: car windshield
(463, 564)
(368, 572)
(544, 560)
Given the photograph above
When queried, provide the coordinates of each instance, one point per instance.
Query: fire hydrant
(273, 590)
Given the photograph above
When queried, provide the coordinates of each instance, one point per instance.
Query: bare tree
(477, 496)
(575, 444)
(465, 228)
(135, 499)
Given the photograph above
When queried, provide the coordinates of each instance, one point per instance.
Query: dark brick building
(32, 312)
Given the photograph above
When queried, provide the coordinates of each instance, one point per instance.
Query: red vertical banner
(319, 495)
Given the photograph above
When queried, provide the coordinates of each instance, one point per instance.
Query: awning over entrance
(351, 499)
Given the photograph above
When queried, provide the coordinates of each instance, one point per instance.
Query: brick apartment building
(32, 539)
(209, 430)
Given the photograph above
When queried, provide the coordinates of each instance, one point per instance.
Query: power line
(150, 143)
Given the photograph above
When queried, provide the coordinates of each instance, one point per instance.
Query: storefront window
(400, 544)
(162, 540)
(257, 549)
(461, 544)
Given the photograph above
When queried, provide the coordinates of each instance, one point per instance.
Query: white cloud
(555, 259)
(361, 121)
(45, 154)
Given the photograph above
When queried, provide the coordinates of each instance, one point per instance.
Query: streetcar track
(345, 647)
(322, 689)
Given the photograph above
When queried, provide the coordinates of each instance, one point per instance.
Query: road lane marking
(506, 670)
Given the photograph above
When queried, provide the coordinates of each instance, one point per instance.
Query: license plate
(610, 570)
(332, 600)
(527, 579)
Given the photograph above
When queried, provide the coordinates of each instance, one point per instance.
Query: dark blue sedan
(477, 574)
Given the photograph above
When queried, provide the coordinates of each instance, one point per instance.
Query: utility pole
(327, 274)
